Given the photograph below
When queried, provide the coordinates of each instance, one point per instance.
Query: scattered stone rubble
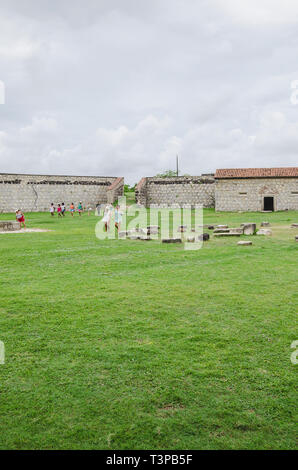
(9, 226)
(264, 231)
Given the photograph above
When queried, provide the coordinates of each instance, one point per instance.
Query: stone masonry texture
(161, 192)
(37, 192)
(248, 194)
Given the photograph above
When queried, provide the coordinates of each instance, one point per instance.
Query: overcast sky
(119, 87)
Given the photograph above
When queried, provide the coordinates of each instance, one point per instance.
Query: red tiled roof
(257, 173)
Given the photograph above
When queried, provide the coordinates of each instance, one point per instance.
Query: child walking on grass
(118, 217)
(107, 217)
(20, 218)
(72, 209)
(52, 209)
(63, 209)
(59, 211)
(80, 209)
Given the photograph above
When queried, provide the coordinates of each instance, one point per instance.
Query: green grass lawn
(133, 345)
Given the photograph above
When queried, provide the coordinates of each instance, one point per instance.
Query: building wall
(161, 192)
(37, 192)
(115, 190)
(248, 194)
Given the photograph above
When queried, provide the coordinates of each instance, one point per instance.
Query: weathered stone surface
(237, 230)
(265, 224)
(244, 243)
(236, 195)
(122, 234)
(249, 228)
(191, 239)
(9, 226)
(222, 226)
(37, 192)
(171, 240)
(153, 227)
(204, 237)
(248, 194)
(181, 190)
(264, 231)
(228, 234)
(221, 230)
(294, 225)
(137, 230)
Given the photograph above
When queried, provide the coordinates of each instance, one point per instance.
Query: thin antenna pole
(177, 167)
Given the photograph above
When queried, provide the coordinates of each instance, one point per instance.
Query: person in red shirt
(59, 211)
(20, 218)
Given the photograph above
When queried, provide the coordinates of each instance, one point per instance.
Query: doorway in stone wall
(269, 204)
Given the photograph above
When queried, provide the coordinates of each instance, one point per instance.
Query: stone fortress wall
(161, 192)
(248, 194)
(36, 192)
(227, 190)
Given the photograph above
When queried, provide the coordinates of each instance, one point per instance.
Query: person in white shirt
(118, 217)
(107, 217)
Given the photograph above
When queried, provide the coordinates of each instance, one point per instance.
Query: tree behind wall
(166, 174)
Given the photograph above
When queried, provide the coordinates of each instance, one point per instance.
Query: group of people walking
(61, 209)
(109, 212)
(107, 216)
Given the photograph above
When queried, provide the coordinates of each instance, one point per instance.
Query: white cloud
(2, 92)
(261, 11)
(122, 87)
(150, 147)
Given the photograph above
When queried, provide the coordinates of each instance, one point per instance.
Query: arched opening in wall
(269, 204)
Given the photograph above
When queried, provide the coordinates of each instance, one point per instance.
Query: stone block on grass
(171, 240)
(9, 226)
(264, 231)
(249, 228)
(237, 230)
(204, 237)
(229, 234)
(221, 230)
(122, 234)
